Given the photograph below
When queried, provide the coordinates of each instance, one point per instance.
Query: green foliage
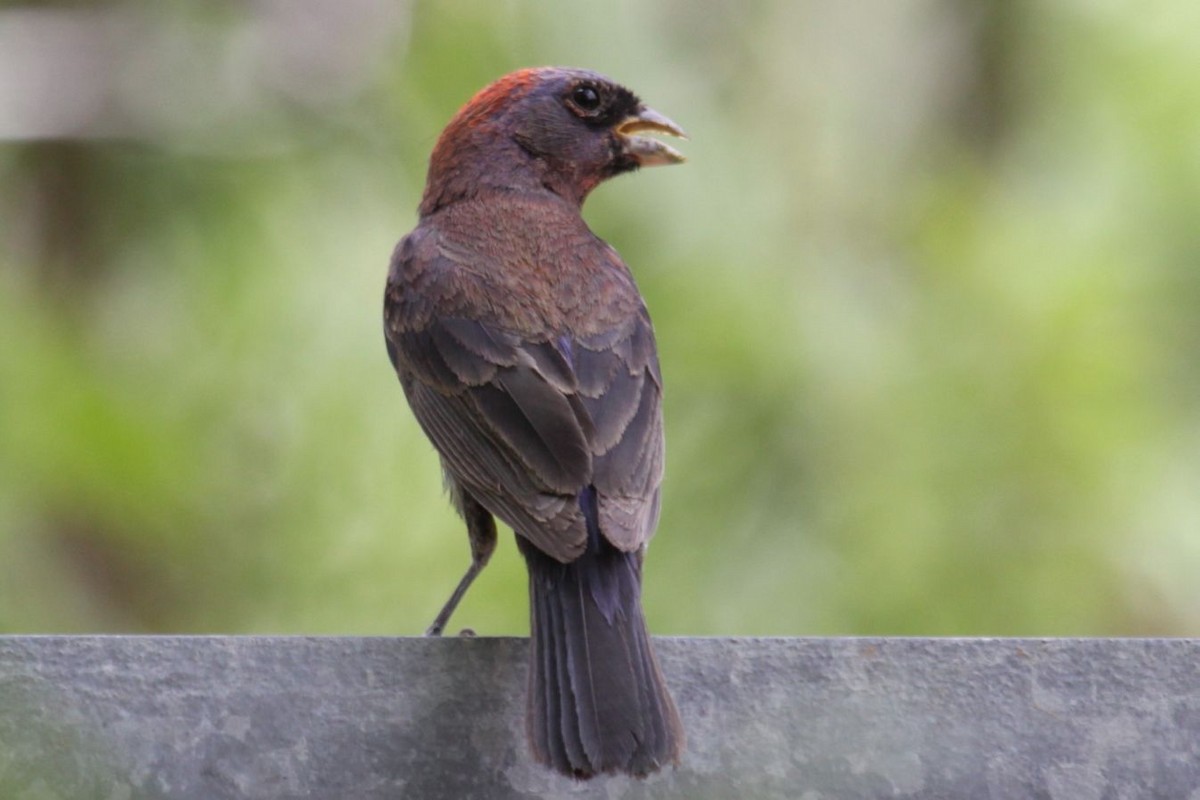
(926, 297)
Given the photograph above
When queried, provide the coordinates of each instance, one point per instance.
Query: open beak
(646, 151)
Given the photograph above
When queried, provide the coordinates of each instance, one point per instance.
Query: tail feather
(597, 699)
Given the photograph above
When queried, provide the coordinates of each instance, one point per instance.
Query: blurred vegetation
(927, 297)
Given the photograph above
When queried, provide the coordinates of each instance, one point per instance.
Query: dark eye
(585, 97)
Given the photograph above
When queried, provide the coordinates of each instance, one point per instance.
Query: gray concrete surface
(119, 718)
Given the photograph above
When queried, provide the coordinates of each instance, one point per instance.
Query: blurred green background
(927, 296)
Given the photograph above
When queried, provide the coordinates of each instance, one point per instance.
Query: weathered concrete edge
(299, 716)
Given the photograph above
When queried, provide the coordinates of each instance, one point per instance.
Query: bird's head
(545, 128)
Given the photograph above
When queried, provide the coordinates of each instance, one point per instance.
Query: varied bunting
(528, 358)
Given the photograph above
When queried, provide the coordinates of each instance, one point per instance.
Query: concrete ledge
(255, 717)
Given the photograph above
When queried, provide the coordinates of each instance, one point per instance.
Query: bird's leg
(481, 530)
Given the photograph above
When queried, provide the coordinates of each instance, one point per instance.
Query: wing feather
(526, 423)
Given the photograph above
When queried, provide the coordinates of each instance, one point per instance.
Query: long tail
(597, 700)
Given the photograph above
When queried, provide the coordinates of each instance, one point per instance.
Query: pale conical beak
(646, 151)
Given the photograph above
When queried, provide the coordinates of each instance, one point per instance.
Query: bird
(528, 358)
